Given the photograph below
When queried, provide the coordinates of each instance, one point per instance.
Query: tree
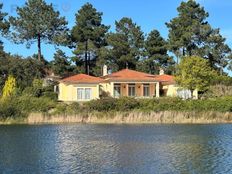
(88, 34)
(4, 26)
(39, 22)
(60, 65)
(23, 69)
(214, 49)
(126, 45)
(9, 87)
(194, 73)
(185, 29)
(190, 34)
(156, 53)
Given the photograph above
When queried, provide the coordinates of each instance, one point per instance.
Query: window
(131, 90)
(84, 93)
(146, 90)
(87, 94)
(117, 90)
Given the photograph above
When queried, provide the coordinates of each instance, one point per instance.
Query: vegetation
(191, 34)
(61, 65)
(88, 36)
(20, 107)
(157, 54)
(194, 73)
(201, 48)
(9, 87)
(37, 22)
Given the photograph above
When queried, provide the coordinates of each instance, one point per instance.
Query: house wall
(172, 91)
(139, 89)
(124, 89)
(109, 89)
(152, 89)
(68, 92)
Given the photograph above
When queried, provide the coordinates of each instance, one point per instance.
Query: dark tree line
(93, 45)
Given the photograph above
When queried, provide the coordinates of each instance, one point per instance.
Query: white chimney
(161, 71)
(105, 70)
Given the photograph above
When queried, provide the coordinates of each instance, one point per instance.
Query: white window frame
(146, 90)
(117, 90)
(84, 95)
(131, 90)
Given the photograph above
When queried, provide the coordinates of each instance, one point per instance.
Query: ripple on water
(116, 149)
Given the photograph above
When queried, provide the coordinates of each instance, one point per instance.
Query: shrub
(73, 108)
(10, 109)
(105, 104)
(126, 104)
(33, 104)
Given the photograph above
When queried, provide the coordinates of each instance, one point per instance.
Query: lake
(129, 149)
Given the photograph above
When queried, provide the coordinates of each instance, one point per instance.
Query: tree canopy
(9, 87)
(61, 65)
(194, 73)
(191, 34)
(126, 45)
(88, 35)
(38, 22)
(156, 53)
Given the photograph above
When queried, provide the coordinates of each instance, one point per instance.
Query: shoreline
(133, 117)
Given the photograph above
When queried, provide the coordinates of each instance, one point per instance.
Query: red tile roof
(82, 78)
(123, 75)
(166, 79)
(127, 74)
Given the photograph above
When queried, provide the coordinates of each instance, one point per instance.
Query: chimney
(161, 71)
(105, 70)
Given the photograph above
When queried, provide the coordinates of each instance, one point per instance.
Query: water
(129, 149)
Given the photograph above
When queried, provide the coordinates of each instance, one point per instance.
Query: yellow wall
(108, 88)
(172, 91)
(68, 92)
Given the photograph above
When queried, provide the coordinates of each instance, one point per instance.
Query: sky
(149, 14)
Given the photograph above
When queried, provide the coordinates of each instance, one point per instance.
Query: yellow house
(80, 88)
(126, 82)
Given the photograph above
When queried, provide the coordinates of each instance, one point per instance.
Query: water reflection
(116, 149)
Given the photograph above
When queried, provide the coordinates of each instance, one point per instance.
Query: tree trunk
(88, 62)
(39, 47)
(191, 93)
(183, 52)
(86, 57)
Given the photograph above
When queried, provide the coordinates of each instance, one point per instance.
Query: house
(125, 82)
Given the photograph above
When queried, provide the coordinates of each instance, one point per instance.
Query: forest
(195, 52)
(190, 34)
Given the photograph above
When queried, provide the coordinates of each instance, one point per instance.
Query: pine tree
(126, 45)
(4, 26)
(60, 65)
(89, 36)
(39, 22)
(191, 34)
(156, 53)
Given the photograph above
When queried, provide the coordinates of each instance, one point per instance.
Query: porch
(137, 90)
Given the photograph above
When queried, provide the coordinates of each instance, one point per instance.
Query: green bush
(126, 104)
(10, 109)
(105, 104)
(73, 108)
(34, 104)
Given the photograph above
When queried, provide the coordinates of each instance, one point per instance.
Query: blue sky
(149, 14)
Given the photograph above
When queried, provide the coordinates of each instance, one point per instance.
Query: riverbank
(134, 117)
